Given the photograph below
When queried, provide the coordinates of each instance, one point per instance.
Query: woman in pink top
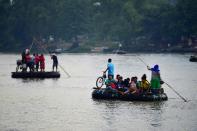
(132, 88)
(42, 63)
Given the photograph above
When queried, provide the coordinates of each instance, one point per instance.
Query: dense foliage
(130, 22)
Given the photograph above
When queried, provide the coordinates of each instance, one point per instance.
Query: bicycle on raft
(100, 81)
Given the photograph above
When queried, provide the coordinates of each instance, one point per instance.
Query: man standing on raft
(55, 61)
(110, 68)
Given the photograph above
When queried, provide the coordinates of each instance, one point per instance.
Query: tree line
(131, 22)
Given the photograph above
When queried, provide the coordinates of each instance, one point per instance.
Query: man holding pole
(55, 61)
(155, 79)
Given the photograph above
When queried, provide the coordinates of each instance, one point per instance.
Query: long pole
(64, 71)
(31, 46)
(165, 82)
(50, 54)
(176, 92)
(142, 60)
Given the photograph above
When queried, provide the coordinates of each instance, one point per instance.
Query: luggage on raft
(107, 94)
(35, 75)
(193, 59)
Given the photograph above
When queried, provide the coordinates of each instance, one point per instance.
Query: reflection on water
(66, 103)
(32, 80)
(114, 112)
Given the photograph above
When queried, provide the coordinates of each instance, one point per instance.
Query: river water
(66, 103)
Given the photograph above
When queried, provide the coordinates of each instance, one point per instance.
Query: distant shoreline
(128, 52)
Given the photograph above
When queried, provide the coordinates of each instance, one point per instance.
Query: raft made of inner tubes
(107, 94)
(35, 75)
(193, 59)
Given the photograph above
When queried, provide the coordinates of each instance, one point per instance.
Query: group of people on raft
(35, 62)
(132, 85)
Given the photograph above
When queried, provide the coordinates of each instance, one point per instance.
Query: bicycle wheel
(99, 82)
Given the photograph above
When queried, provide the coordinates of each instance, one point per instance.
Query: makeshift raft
(35, 75)
(193, 59)
(107, 94)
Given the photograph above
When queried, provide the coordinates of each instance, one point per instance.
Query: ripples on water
(66, 103)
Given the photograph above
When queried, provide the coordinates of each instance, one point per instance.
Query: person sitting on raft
(155, 79)
(123, 85)
(120, 83)
(144, 85)
(132, 88)
(126, 83)
(117, 77)
(136, 81)
(110, 83)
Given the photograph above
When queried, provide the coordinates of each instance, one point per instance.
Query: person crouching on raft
(155, 79)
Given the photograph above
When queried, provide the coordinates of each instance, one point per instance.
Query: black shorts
(55, 65)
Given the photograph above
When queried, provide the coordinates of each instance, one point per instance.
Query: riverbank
(106, 47)
(112, 50)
